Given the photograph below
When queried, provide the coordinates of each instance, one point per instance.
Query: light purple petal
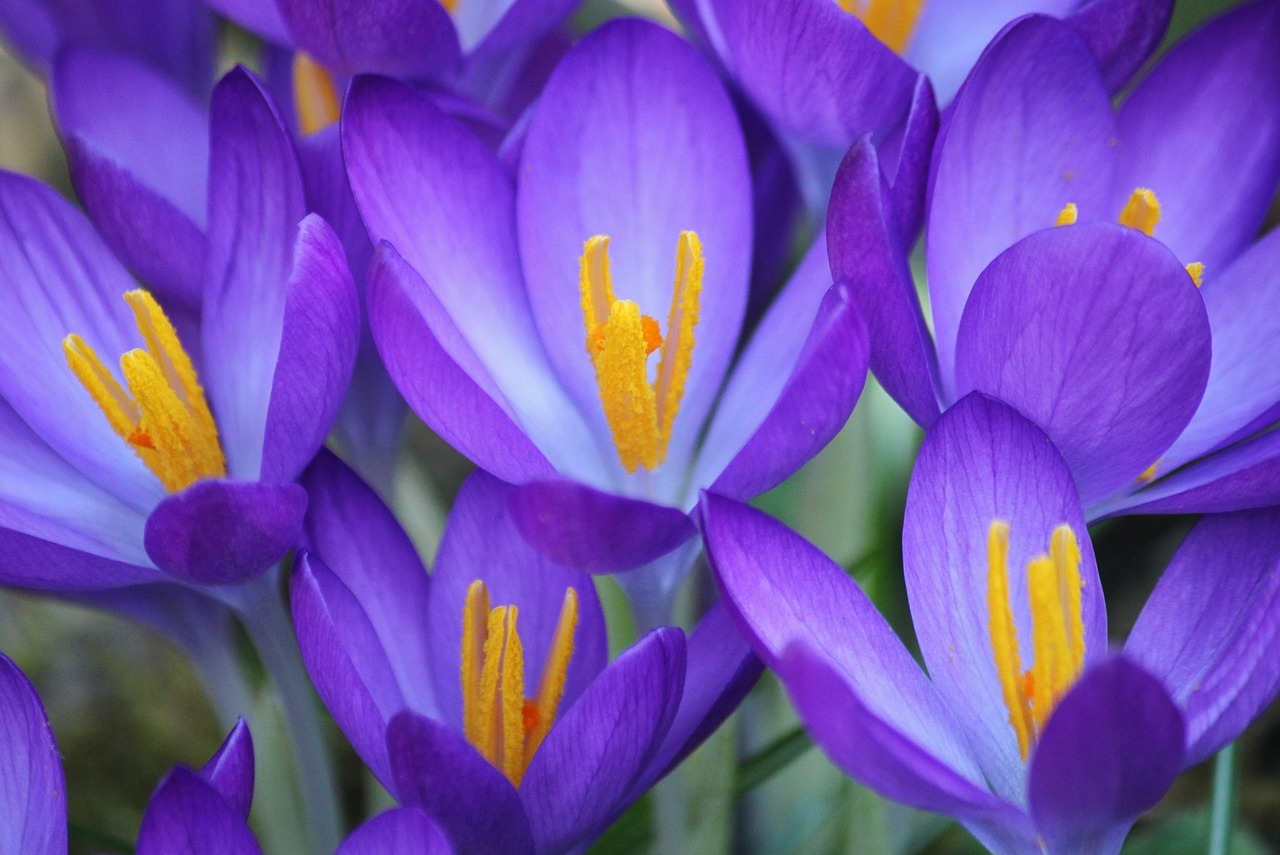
(255, 204)
(1211, 629)
(403, 831)
(867, 250)
(1028, 133)
(402, 38)
(317, 352)
(1122, 34)
(1203, 131)
(187, 816)
(782, 590)
(230, 769)
(223, 532)
(57, 279)
(979, 463)
(481, 542)
(32, 562)
(1109, 751)
(593, 531)
(436, 770)
(1097, 334)
(492, 27)
(579, 780)
(258, 16)
(33, 802)
(635, 138)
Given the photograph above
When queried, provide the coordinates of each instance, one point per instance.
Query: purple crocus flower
(482, 694)
(516, 319)
(185, 470)
(1093, 328)
(1026, 728)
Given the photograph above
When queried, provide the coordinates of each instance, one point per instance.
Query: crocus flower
(518, 320)
(1026, 728)
(1092, 328)
(482, 694)
(185, 469)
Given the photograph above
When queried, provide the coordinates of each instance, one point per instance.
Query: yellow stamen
(1141, 212)
(449, 5)
(1068, 215)
(511, 749)
(1149, 474)
(1065, 551)
(891, 21)
(1004, 636)
(1196, 271)
(164, 415)
(315, 98)
(475, 617)
(619, 340)
(554, 671)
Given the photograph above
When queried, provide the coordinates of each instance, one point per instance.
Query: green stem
(1222, 809)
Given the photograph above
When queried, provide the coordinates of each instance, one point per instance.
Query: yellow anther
(512, 745)
(475, 618)
(1004, 636)
(1141, 212)
(1196, 271)
(315, 98)
(449, 5)
(619, 340)
(1149, 474)
(891, 21)
(163, 416)
(1068, 215)
(555, 669)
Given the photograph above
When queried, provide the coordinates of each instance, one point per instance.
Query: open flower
(1026, 728)
(482, 694)
(1096, 328)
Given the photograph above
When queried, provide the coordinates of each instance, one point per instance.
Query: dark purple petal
(635, 138)
(258, 16)
(868, 251)
(492, 27)
(402, 831)
(782, 590)
(1109, 751)
(440, 376)
(255, 204)
(593, 531)
(1027, 134)
(812, 407)
(317, 352)
(1097, 334)
(1211, 630)
(1122, 34)
(33, 802)
(32, 562)
(187, 815)
(402, 38)
(580, 778)
(913, 153)
(230, 769)
(222, 532)
(438, 771)
(481, 541)
(979, 463)
(1203, 131)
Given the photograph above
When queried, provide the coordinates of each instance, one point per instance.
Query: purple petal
(1027, 134)
(436, 770)
(1109, 751)
(781, 590)
(983, 462)
(440, 376)
(1203, 131)
(579, 780)
(230, 769)
(33, 803)
(481, 541)
(187, 815)
(255, 204)
(32, 562)
(596, 532)
(257, 16)
(223, 532)
(1122, 34)
(492, 27)
(403, 831)
(815, 403)
(58, 278)
(402, 38)
(634, 137)
(867, 250)
(317, 352)
(1097, 334)
(1211, 628)
(914, 151)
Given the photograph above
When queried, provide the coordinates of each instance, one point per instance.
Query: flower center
(891, 21)
(1057, 630)
(640, 413)
(315, 98)
(504, 726)
(163, 416)
(1141, 212)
